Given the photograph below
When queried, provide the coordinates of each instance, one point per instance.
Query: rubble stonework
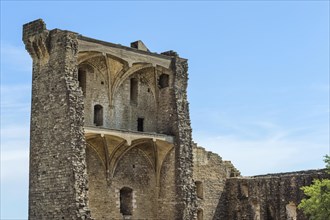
(183, 152)
(58, 178)
(273, 196)
(111, 139)
(210, 175)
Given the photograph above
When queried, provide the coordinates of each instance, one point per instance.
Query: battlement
(33, 28)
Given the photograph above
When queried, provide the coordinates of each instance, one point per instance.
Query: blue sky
(258, 76)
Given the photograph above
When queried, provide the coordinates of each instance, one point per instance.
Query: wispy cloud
(15, 57)
(14, 162)
(15, 132)
(15, 109)
(15, 100)
(278, 152)
(14, 152)
(268, 142)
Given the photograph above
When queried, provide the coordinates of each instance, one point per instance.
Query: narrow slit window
(163, 81)
(140, 124)
(126, 201)
(82, 80)
(199, 189)
(98, 115)
(134, 90)
(200, 214)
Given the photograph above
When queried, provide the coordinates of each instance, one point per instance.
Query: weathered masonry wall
(58, 179)
(130, 91)
(210, 174)
(167, 191)
(153, 186)
(111, 139)
(268, 197)
(186, 195)
(133, 87)
(133, 171)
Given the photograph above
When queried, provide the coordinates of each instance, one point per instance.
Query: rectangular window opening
(140, 124)
(82, 80)
(134, 90)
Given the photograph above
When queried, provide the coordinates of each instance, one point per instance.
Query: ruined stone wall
(127, 112)
(157, 104)
(154, 104)
(268, 197)
(210, 173)
(156, 175)
(166, 103)
(133, 171)
(96, 93)
(167, 191)
(181, 128)
(58, 179)
(101, 199)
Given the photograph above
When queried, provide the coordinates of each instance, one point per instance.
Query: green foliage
(317, 205)
(327, 162)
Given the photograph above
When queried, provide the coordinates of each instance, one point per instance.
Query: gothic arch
(121, 77)
(91, 147)
(122, 153)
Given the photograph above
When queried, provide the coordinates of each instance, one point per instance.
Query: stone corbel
(37, 47)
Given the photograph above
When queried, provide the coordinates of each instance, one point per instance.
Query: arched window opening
(126, 201)
(98, 115)
(199, 189)
(200, 214)
(140, 124)
(134, 90)
(163, 81)
(245, 190)
(82, 80)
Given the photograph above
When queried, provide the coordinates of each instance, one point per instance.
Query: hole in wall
(140, 126)
(199, 189)
(163, 81)
(82, 80)
(200, 214)
(98, 115)
(126, 201)
(134, 90)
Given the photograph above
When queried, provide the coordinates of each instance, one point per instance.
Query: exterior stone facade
(111, 139)
(210, 175)
(273, 196)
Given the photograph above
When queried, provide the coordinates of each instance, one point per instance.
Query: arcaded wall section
(167, 190)
(166, 102)
(268, 197)
(128, 109)
(135, 172)
(95, 90)
(100, 197)
(58, 178)
(210, 174)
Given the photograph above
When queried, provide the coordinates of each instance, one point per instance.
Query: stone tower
(110, 130)
(111, 139)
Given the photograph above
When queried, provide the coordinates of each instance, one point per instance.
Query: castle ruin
(111, 139)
